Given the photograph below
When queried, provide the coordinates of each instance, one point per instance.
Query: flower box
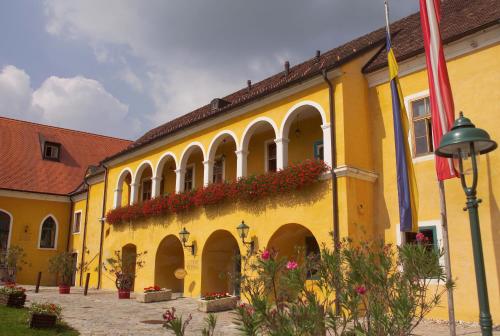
(217, 305)
(13, 300)
(156, 296)
(42, 321)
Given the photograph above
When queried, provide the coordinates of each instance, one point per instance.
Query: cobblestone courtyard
(101, 313)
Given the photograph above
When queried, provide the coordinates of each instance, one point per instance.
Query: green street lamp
(184, 235)
(463, 143)
(243, 233)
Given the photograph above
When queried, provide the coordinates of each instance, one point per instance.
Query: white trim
(34, 196)
(439, 236)
(140, 170)
(56, 236)
(79, 197)
(118, 194)
(468, 44)
(237, 112)
(293, 110)
(248, 132)
(74, 222)
(357, 173)
(158, 172)
(10, 225)
(214, 144)
(187, 152)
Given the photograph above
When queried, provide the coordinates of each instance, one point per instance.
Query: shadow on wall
(494, 219)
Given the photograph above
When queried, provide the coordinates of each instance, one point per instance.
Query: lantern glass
(462, 160)
(184, 234)
(243, 230)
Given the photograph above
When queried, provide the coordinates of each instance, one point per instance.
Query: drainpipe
(84, 238)
(333, 141)
(70, 227)
(103, 215)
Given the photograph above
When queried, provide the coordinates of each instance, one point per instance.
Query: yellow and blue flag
(407, 186)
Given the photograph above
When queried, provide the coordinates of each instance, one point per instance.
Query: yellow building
(335, 106)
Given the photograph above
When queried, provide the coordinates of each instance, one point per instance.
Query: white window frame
(10, 226)
(55, 237)
(142, 188)
(408, 100)
(223, 168)
(192, 165)
(74, 222)
(266, 155)
(439, 236)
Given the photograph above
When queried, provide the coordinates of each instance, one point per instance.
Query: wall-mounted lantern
(243, 233)
(184, 235)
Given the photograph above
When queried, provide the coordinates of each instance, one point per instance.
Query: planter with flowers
(44, 315)
(216, 302)
(154, 294)
(12, 296)
(63, 265)
(123, 268)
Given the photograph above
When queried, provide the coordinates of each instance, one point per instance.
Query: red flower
(291, 265)
(361, 290)
(265, 255)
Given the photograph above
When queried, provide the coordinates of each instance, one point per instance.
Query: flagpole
(447, 260)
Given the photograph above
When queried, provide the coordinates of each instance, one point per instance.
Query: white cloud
(78, 103)
(129, 77)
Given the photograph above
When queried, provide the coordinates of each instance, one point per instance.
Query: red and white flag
(442, 108)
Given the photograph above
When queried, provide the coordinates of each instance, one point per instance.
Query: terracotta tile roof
(23, 168)
(460, 17)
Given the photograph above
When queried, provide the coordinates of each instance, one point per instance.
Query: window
(77, 221)
(422, 127)
(430, 235)
(48, 233)
(318, 150)
(4, 230)
(146, 189)
(51, 151)
(218, 174)
(189, 178)
(271, 163)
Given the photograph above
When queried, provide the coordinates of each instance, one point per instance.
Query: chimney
(249, 85)
(287, 68)
(318, 54)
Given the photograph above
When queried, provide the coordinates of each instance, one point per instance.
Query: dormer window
(51, 151)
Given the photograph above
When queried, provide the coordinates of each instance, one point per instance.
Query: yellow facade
(299, 118)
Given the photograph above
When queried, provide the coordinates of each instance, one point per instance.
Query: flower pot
(64, 289)
(124, 294)
(13, 300)
(217, 305)
(42, 321)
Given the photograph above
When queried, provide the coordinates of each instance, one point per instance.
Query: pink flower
(291, 265)
(265, 255)
(420, 237)
(169, 315)
(361, 290)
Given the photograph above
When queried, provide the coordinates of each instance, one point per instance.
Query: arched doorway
(5, 228)
(129, 261)
(290, 238)
(169, 257)
(220, 263)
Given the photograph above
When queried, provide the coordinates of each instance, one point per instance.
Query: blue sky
(122, 67)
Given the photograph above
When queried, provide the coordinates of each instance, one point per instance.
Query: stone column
(179, 180)
(117, 198)
(134, 193)
(241, 163)
(208, 171)
(327, 145)
(155, 186)
(281, 152)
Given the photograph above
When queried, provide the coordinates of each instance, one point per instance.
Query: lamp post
(243, 233)
(463, 143)
(184, 235)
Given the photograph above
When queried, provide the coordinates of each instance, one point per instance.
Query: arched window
(5, 221)
(48, 233)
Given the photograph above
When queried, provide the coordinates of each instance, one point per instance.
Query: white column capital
(281, 140)
(156, 178)
(180, 171)
(241, 152)
(326, 126)
(207, 162)
(134, 184)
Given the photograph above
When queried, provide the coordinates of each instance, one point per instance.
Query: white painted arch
(247, 133)
(187, 152)
(55, 236)
(288, 119)
(11, 221)
(140, 169)
(214, 144)
(161, 163)
(118, 190)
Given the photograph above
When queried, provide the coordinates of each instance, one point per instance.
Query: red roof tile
(23, 168)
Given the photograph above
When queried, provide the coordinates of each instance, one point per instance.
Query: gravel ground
(101, 313)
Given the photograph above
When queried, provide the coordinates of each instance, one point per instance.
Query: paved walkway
(101, 313)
